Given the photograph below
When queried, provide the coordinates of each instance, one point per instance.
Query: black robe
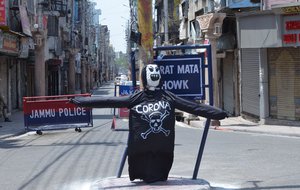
(151, 128)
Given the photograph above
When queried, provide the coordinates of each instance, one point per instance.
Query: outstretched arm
(102, 102)
(203, 110)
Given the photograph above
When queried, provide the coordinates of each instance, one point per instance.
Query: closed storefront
(284, 71)
(250, 82)
(256, 33)
(284, 83)
(10, 69)
(269, 43)
(228, 83)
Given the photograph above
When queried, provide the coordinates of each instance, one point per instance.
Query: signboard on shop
(2, 13)
(291, 30)
(291, 10)
(9, 43)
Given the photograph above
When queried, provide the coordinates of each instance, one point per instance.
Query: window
(30, 6)
(52, 26)
(195, 31)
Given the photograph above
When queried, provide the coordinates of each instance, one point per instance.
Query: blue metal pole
(115, 94)
(207, 124)
(122, 162)
(133, 77)
(210, 76)
(201, 149)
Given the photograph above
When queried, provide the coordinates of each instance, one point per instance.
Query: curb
(3, 137)
(172, 183)
(258, 130)
(267, 133)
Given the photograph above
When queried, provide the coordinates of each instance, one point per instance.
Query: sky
(115, 14)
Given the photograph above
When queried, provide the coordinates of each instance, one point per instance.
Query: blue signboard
(183, 75)
(241, 4)
(125, 90)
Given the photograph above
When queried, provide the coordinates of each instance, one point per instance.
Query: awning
(16, 33)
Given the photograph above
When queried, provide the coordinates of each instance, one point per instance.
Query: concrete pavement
(14, 128)
(242, 125)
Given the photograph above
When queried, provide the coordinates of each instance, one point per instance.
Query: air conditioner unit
(217, 29)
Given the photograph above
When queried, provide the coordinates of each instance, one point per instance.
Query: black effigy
(151, 128)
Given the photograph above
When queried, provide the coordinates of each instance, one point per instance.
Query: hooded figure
(151, 124)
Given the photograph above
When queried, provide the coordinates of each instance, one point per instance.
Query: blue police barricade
(125, 90)
(55, 112)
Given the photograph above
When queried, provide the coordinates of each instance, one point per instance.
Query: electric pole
(146, 30)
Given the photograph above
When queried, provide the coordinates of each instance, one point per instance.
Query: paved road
(67, 160)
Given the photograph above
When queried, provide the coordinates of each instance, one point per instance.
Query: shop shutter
(250, 82)
(284, 85)
(228, 90)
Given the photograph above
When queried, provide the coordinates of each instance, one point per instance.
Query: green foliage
(122, 62)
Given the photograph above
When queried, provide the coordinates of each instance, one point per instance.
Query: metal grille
(284, 85)
(250, 82)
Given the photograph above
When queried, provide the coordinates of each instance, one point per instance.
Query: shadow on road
(260, 187)
(7, 144)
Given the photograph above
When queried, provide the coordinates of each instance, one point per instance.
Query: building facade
(49, 47)
(269, 46)
(255, 48)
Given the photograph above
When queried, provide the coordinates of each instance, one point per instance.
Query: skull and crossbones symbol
(155, 120)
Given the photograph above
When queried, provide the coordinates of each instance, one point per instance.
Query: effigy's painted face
(153, 76)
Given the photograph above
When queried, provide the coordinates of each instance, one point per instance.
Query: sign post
(189, 68)
(183, 75)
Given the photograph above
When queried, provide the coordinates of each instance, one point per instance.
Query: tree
(122, 63)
